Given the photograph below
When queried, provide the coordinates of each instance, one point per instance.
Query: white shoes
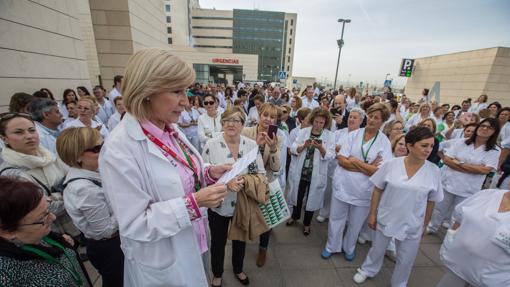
(362, 240)
(428, 230)
(320, 219)
(446, 224)
(359, 277)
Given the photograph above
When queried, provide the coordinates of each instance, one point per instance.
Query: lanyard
(75, 274)
(363, 153)
(189, 163)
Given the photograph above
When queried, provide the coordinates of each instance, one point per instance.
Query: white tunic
(341, 136)
(208, 127)
(253, 116)
(479, 251)
(504, 135)
(462, 183)
(403, 202)
(78, 124)
(354, 187)
(320, 169)
(311, 104)
(186, 118)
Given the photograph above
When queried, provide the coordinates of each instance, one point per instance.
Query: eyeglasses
(95, 149)
(232, 121)
(43, 221)
(206, 103)
(486, 127)
(8, 116)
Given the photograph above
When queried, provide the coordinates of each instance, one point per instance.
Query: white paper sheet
(239, 166)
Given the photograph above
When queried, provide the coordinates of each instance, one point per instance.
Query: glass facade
(202, 73)
(261, 33)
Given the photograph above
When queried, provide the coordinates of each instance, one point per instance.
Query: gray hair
(360, 112)
(38, 107)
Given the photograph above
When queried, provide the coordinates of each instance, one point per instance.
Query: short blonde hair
(72, 142)
(150, 72)
(232, 112)
(269, 109)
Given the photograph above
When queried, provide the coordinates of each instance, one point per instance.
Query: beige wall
(464, 75)
(122, 27)
(40, 46)
(218, 45)
(249, 62)
(180, 24)
(89, 40)
(291, 41)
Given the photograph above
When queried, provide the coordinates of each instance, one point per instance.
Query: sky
(382, 33)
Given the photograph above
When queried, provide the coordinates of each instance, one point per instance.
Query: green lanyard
(363, 153)
(75, 274)
(198, 185)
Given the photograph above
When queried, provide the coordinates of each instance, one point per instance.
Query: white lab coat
(479, 251)
(320, 169)
(146, 193)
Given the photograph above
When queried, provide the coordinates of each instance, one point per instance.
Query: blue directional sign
(282, 75)
(387, 83)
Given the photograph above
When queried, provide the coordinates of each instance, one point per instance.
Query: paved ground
(294, 261)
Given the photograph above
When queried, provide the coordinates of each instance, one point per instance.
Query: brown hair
(318, 112)
(426, 120)
(72, 142)
(385, 112)
(17, 199)
(395, 141)
(299, 102)
(303, 113)
(269, 109)
(389, 126)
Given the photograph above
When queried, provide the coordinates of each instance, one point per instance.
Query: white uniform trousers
(406, 254)
(450, 279)
(341, 212)
(324, 211)
(368, 234)
(443, 208)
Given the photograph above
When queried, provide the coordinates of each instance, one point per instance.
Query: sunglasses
(95, 149)
(8, 116)
(206, 103)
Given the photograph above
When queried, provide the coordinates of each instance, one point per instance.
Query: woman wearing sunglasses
(30, 254)
(86, 202)
(209, 124)
(25, 158)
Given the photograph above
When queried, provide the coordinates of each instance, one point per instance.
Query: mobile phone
(271, 131)
(335, 111)
(319, 141)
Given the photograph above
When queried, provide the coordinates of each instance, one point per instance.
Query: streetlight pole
(340, 44)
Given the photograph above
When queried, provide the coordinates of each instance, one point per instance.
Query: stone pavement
(294, 261)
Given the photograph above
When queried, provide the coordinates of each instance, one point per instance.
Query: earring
(148, 99)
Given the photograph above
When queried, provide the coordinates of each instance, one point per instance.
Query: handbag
(275, 210)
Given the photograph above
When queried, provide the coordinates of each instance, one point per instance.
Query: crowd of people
(135, 176)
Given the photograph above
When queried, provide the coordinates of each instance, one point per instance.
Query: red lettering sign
(225, 61)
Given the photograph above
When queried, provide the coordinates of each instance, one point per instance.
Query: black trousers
(107, 257)
(219, 230)
(304, 188)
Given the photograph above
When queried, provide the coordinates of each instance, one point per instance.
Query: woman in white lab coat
(468, 161)
(188, 122)
(354, 121)
(423, 113)
(358, 159)
(155, 179)
(315, 147)
(405, 191)
(485, 261)
(209, 124)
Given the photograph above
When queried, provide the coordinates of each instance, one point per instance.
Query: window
(291, 31)
(168, 19)
(290, 41)
(290, 50)
(288, 60)
(169, 30)
(288, 68)
(167, 8)
(291, 22)
(170, 41)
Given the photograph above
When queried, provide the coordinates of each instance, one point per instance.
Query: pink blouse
(197, 215)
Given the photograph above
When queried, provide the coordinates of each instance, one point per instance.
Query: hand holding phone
(271, 131)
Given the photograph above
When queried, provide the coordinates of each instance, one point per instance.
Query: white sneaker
(320, 219)
(446, 224)
(428, 230)
(362, 240)
(359, 277)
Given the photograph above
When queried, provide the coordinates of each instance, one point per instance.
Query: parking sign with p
(406, 68)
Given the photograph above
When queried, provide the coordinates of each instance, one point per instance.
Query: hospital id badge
(502, 238)
(307, 162)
